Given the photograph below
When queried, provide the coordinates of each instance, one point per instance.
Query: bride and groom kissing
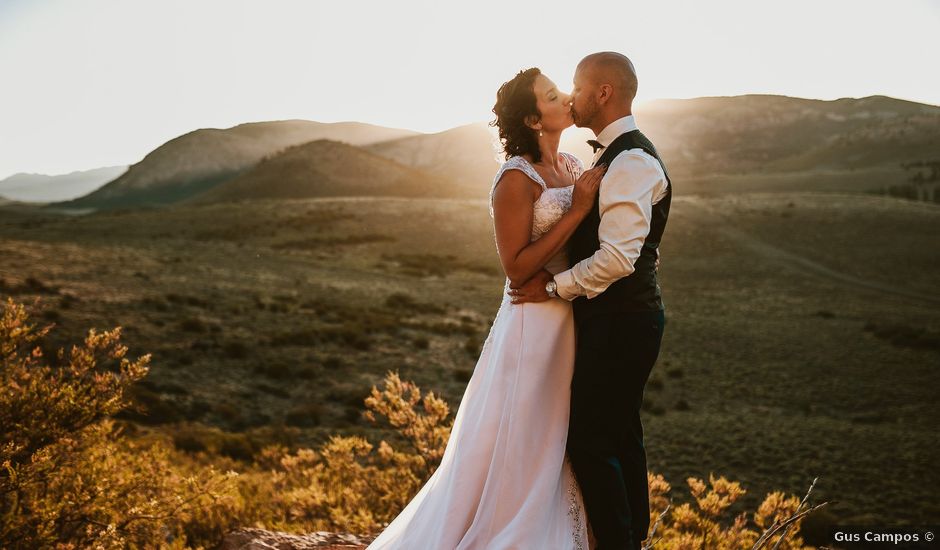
(546, 450)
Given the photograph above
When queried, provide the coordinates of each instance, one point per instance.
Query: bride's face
(554, 105)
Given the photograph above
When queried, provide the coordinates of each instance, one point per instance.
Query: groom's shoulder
(636, 159)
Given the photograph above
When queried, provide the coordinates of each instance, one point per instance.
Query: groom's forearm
(592, 276)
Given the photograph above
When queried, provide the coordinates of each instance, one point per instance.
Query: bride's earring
(540, 133)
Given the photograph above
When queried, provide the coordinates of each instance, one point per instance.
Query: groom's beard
(583, 119)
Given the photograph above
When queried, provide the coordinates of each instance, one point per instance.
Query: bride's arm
(512, 214)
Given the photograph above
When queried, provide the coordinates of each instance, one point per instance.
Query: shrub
(272, 390)
(347, 334)
(189, 440)
(905, 336)
(426, 432)
(69, 479)
(400, 301)
(236, 350)
(193, 324)
(147, 407)
(197, 408)
(703, 525)
(52, 314)
(277, 371)
(333, 362)
(195, 301)
(463, 375)
(305, 416)
(34, 285)
(651, 407)
(472, 346)
(237, 446)
(308, 372)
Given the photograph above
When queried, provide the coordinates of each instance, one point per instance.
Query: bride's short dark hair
(515, 102)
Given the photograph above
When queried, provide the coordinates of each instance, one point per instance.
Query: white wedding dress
(504, 481)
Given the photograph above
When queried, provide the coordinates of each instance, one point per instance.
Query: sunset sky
(103, 82)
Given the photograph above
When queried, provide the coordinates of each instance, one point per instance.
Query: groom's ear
(605, 92)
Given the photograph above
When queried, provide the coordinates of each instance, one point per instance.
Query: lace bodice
(551, 204)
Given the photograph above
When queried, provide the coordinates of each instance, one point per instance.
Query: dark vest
(640, 290)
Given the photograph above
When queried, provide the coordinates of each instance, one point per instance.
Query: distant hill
(326, 168)
(199, 160)
(466, 155)
(714, 136)
(764, 133)
(43, 188)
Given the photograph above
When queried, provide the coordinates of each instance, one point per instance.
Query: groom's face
(584, 106)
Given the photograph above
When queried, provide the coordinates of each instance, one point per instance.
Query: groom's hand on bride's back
(532, 290)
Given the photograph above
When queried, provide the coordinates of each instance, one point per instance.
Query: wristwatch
(550, 288)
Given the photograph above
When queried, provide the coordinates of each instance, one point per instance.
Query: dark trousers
(615, 354)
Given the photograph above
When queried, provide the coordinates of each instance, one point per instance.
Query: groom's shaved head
(611, 68)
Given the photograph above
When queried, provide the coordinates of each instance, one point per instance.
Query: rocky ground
(259, 539)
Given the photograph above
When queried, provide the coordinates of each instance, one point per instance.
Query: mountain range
(44, 188)
(698, 138)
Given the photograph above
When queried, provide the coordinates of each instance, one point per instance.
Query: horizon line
(469, 123)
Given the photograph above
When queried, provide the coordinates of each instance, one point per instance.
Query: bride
(504, 481)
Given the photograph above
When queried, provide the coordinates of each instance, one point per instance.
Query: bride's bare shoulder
(514, 182)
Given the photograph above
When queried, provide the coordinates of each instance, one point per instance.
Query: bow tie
(595, 144)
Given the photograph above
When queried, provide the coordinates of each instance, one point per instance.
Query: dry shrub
(705, 525)
(68, 477)
(349, 484)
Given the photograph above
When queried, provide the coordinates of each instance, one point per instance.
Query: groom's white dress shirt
(634, 182)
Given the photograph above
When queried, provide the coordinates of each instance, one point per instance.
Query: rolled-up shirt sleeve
(633, 183)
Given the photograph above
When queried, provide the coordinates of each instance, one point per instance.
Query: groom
(618, 308)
